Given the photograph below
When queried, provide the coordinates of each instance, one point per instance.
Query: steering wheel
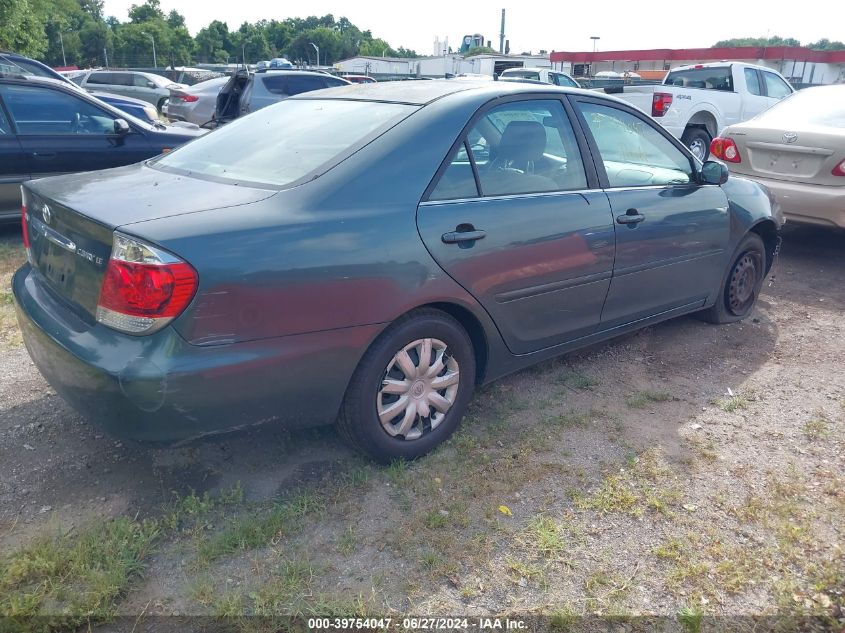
(74, 123)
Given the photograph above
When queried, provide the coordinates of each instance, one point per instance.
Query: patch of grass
(817, 428)
(530, 572)
(259, 528)
(642, 486)
(348, 541)
(79, 577)
(545, 537)
(12, 256)
(577, 380)
(691, 619)
(563, 619)
(641, 399)
(732, 403)
(397, 472)
(571, 419)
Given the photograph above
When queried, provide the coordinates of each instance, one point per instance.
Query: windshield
(816, 106)
(285, 142)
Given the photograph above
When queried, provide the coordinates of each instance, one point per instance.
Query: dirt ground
(686, 471)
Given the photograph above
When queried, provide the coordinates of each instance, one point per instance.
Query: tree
(214, 43)
(481, 50)
(250, 42)
(21, 28)
(150, 10)
(825, 44)
(759, 42)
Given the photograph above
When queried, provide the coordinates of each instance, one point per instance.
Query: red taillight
(144, 288)
(839, 170)
(24, 227)
(725, 149)
(186, 98)
(660, 103)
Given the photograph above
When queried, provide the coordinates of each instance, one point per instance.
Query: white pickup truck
(543, 75)
(695, 102)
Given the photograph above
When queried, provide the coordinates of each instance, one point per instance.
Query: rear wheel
(411, 389)
(698, 142)
(742, 285)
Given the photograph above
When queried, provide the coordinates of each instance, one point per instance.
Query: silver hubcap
(697, 148)
(418, 389)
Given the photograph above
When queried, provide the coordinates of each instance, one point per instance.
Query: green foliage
(75, 32)
(775, 40)
(21, 28)
(481, 50)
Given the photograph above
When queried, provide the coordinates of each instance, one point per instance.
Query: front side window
(518, 148)
(633, 152)
(5, 128)
(563, 80)
(140, 81)
(42, 111)
(325, 133)
(775, 86)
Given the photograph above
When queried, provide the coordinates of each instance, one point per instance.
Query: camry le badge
(790, 137)
(45, 211)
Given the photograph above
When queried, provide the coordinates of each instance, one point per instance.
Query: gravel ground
(685, 469)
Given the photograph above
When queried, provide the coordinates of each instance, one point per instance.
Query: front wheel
(698, 142)
(742, 285)
(411, 388)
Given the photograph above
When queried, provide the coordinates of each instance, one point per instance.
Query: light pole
(595, 39)
(316, 48)
(153, 40)
(62, 41)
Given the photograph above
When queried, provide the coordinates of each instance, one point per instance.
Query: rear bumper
(160, 388)
(806, 203)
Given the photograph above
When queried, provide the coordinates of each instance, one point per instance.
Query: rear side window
(101, 78)
(775, 86)
(710, 78)
(752, 81)
(332, 82)
(325, 133)
(291, 85)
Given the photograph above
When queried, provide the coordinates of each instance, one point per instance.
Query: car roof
(424, 92)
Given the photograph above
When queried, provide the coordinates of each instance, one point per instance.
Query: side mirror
(714, 173)
(121, 127)
(150, 84)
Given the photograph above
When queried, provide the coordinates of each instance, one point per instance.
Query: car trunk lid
(799, 156)
(70, 221)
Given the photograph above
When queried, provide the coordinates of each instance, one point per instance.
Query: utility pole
(316, 48)
(106, 55)
(595, 39)
(502, 34)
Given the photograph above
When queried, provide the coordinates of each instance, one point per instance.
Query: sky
(556, 25)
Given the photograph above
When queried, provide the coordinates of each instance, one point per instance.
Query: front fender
(752, 207)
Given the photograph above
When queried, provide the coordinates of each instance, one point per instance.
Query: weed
(347, 541)
(546, 537)
(817, 428)
(563, 619)
(641, 399)
(691, 619)
(731, 403)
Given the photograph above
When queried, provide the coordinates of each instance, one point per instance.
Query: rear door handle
(43, 154)
(632, 216)
(455, 237)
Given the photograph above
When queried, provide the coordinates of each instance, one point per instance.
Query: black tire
(358, 420)
(742, 283)
(697, 140)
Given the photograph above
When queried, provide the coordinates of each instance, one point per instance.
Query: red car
(359, 79)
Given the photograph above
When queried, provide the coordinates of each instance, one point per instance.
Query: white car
(543, 75)
(695, 102)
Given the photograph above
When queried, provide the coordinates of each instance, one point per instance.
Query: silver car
(148, 87)
(194, 104)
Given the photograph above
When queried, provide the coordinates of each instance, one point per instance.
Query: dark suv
(49, 127)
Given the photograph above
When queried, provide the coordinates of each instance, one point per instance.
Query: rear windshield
(284, 143)
(709, 77)
(525, 74)
(816, 106)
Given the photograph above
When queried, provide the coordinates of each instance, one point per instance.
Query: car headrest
(522, 141)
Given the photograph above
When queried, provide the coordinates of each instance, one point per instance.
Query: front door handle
(43, 154)
(456, 237)
(631, 217)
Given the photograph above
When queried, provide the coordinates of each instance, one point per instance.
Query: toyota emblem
(45, 211)
(790, 137)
